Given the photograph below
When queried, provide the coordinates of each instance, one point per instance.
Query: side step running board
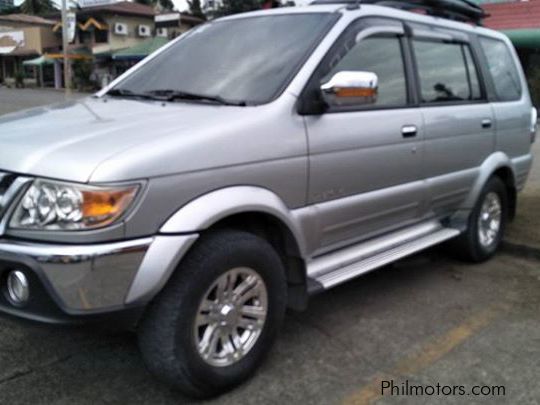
(336, 268)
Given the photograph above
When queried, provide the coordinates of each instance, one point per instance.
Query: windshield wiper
(171, 95)
(129, 94)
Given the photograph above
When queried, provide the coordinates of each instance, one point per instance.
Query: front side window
(382, 56)
(447, 72)
(503, 69)
(248, 60)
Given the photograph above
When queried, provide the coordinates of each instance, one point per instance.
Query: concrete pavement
(12, 100)
(427, 320)
(525, 230)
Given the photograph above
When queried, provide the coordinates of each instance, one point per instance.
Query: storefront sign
(92, 3)
(71, 22)
(11, 40)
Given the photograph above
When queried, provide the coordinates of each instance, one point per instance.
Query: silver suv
(254, 161)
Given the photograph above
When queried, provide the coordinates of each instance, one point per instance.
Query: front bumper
(73, 282)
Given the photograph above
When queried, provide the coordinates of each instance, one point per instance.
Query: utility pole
(65, 44)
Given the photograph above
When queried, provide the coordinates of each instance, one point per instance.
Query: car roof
(375, 11)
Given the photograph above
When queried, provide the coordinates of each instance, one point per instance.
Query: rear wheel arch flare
(506, 175)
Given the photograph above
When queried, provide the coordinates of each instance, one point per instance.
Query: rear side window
(447, 72)
(503, 69)
(382, 56)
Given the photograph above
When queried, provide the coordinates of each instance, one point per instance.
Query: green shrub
(82, 70)
(534, 85)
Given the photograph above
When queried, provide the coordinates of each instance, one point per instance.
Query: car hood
(70, 141)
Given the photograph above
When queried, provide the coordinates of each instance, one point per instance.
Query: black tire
(166, 337)
(468, 246)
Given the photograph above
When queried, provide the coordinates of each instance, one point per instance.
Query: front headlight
(49, 205)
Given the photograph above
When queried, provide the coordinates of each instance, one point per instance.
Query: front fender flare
(205, 211)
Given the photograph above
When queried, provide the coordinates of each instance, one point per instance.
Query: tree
(37, 7)
(238, 6)
(10, 10)
(166, 5)
(195, 9)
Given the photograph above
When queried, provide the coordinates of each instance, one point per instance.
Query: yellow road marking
(428, 355)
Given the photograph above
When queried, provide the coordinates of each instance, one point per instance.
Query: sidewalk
(525, 230)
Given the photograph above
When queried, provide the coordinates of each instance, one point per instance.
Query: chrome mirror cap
(351, 88)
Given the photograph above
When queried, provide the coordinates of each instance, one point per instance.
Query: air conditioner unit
(162, 32)
(120, 29)
(145, 31)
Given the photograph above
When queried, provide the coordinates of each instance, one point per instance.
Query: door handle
(487, 123)
(409, 131)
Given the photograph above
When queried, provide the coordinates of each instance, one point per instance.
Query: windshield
(244, 61)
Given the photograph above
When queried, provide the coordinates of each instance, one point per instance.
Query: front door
(366, 162)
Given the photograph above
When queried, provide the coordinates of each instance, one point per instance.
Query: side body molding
(203, 212)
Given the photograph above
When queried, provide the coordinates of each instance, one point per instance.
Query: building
(171, 25)
(22, 38)
(105, 29)
(6, 4)
(520, 20)
(210, 7)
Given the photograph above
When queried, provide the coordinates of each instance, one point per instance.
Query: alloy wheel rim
(490, 220)
(231, 317)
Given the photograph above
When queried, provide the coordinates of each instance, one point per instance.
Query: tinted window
(503, 69)
(447, 72)
(243, 60)
(382, 56)
(472, 74)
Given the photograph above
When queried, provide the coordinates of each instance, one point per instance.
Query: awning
(73, 54)
(526, 38)
(41, 61)
(140, 51)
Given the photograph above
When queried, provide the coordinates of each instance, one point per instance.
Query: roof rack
(457, 10)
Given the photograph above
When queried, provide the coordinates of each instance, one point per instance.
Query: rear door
(458, 119)
(511, 105)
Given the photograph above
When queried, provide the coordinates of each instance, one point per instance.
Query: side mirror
(350, 89)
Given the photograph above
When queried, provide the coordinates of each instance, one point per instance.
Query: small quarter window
(503, 69)
(447, 72)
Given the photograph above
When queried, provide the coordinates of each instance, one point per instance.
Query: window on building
(101, 36)
(447, 72)
(503, 69)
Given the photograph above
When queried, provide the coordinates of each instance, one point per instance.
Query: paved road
(426, 320)
(12, 100)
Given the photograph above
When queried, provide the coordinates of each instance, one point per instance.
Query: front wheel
(212, 325)
(486, 225)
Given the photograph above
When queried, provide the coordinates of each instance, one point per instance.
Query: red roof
(121, 8)
(511, 16)
(26, 19)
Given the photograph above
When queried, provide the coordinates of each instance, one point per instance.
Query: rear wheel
(212, 325)
(487, 224)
